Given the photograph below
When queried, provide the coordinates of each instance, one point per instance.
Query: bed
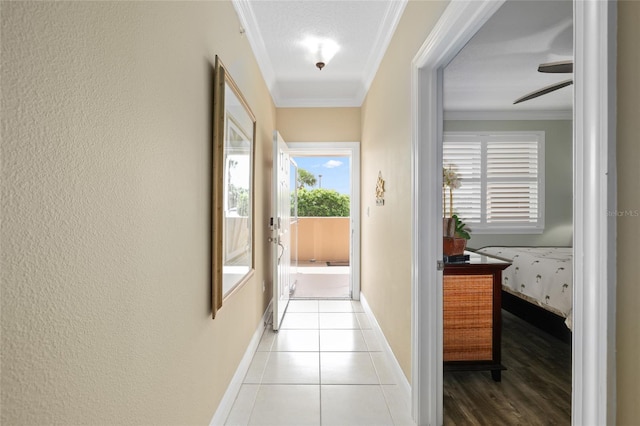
(542, 276)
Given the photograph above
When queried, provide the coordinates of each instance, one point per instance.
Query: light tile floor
(317, 280)
(325, 367)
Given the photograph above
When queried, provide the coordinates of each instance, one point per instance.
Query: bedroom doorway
(593, 349)
(503, 161)
(328, 220)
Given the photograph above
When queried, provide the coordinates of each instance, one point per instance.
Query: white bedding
(540, 275)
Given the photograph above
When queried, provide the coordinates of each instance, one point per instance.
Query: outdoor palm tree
(305, 178)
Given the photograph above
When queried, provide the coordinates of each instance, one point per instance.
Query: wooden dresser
(472, 314)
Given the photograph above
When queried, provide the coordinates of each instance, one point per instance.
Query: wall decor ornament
(234, 128)
(380, 190)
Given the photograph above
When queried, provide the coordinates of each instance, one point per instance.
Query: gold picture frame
(233, 245)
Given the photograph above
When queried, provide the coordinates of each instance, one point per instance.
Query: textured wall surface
(106, 136)
(386, 148)
(319, 124)
(628, 156)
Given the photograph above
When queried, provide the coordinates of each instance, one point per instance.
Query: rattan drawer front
(467, 320)
(468, 317)
(468, 345)
(463, 285)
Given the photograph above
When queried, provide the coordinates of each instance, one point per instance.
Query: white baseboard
(399, 376)
(224, 408)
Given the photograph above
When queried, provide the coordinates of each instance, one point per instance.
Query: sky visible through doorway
(334, 170)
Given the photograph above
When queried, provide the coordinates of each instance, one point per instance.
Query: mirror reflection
(237, 188)
(232, 198)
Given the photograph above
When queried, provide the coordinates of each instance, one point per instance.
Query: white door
(281, 220)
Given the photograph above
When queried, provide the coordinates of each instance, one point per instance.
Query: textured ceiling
(276, 29)
(496, 67)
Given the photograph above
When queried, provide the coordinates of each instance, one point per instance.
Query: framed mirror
(234, 127)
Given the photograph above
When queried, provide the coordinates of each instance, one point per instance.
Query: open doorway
(511, 156)
(320, 238)
(325, 237)
(593, 344)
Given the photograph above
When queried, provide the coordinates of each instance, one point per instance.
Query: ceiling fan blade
(544, 91)
(557, 67)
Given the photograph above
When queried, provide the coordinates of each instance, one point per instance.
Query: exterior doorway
(322, 248)
(325, 231)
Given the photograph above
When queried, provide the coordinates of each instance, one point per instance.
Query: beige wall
(628, 154)
(105, 166)
(323, 238)
(558, 181)
(386, 148)
(319, 124)
(106, 146)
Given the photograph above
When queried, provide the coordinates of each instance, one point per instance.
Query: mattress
(540, 275)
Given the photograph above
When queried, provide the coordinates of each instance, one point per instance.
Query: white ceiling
(362, 30)
(500, 63)
(497, 66)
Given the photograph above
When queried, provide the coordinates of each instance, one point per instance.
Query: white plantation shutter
(464, 156)
(502, 177)
(512, 181)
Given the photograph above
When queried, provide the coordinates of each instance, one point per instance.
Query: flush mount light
(321, 50)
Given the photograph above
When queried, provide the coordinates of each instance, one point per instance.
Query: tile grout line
(358, 326)
(384, 395)
(255, 397)
(380, 385)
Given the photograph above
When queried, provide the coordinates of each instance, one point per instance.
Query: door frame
(594, 227)
(351, 149)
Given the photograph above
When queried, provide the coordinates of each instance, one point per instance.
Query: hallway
(326, 366)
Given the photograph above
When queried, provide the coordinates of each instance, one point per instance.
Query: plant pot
(448, 226)
(453, 246)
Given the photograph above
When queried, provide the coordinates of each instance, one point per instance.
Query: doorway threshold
(317, 280)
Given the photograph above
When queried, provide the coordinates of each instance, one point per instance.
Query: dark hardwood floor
(535, 389)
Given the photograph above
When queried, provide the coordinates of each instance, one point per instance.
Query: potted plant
(461, 228)
(455, 231)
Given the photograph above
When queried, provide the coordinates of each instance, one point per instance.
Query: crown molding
(316, 102)
(250, 25)
(387, 29)
(352, 95)
(509, 115)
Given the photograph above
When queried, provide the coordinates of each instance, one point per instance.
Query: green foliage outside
(306, 178)
(321, 202)
(243, 203)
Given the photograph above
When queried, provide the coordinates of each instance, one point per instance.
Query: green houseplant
(461, 229)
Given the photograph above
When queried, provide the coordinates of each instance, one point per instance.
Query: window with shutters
(502, 176)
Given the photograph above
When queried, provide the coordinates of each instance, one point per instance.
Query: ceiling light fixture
(321, 50)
